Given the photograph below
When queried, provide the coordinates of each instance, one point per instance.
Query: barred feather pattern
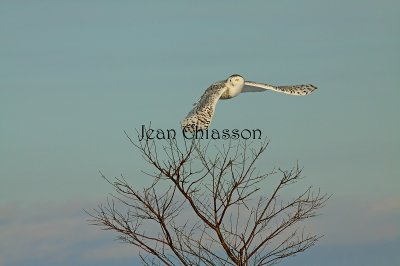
(296, 89)
(299, 90)
(199, 118)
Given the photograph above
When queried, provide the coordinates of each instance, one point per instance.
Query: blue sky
(75, 74)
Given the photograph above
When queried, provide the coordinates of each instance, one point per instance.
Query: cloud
(390, 205)
(44, 231)
(7, 213)
(359, 221)
(112, 251)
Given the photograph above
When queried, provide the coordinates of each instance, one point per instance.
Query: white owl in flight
(199, 118)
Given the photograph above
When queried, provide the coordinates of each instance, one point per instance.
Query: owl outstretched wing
(201, 115)
(300, 90)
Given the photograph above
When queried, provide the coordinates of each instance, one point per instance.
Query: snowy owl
(200, 116)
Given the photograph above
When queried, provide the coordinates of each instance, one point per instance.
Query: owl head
(235, 80)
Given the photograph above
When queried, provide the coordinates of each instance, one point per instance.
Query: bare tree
(203, 209)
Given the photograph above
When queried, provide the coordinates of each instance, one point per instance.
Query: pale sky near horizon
(75, 74)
